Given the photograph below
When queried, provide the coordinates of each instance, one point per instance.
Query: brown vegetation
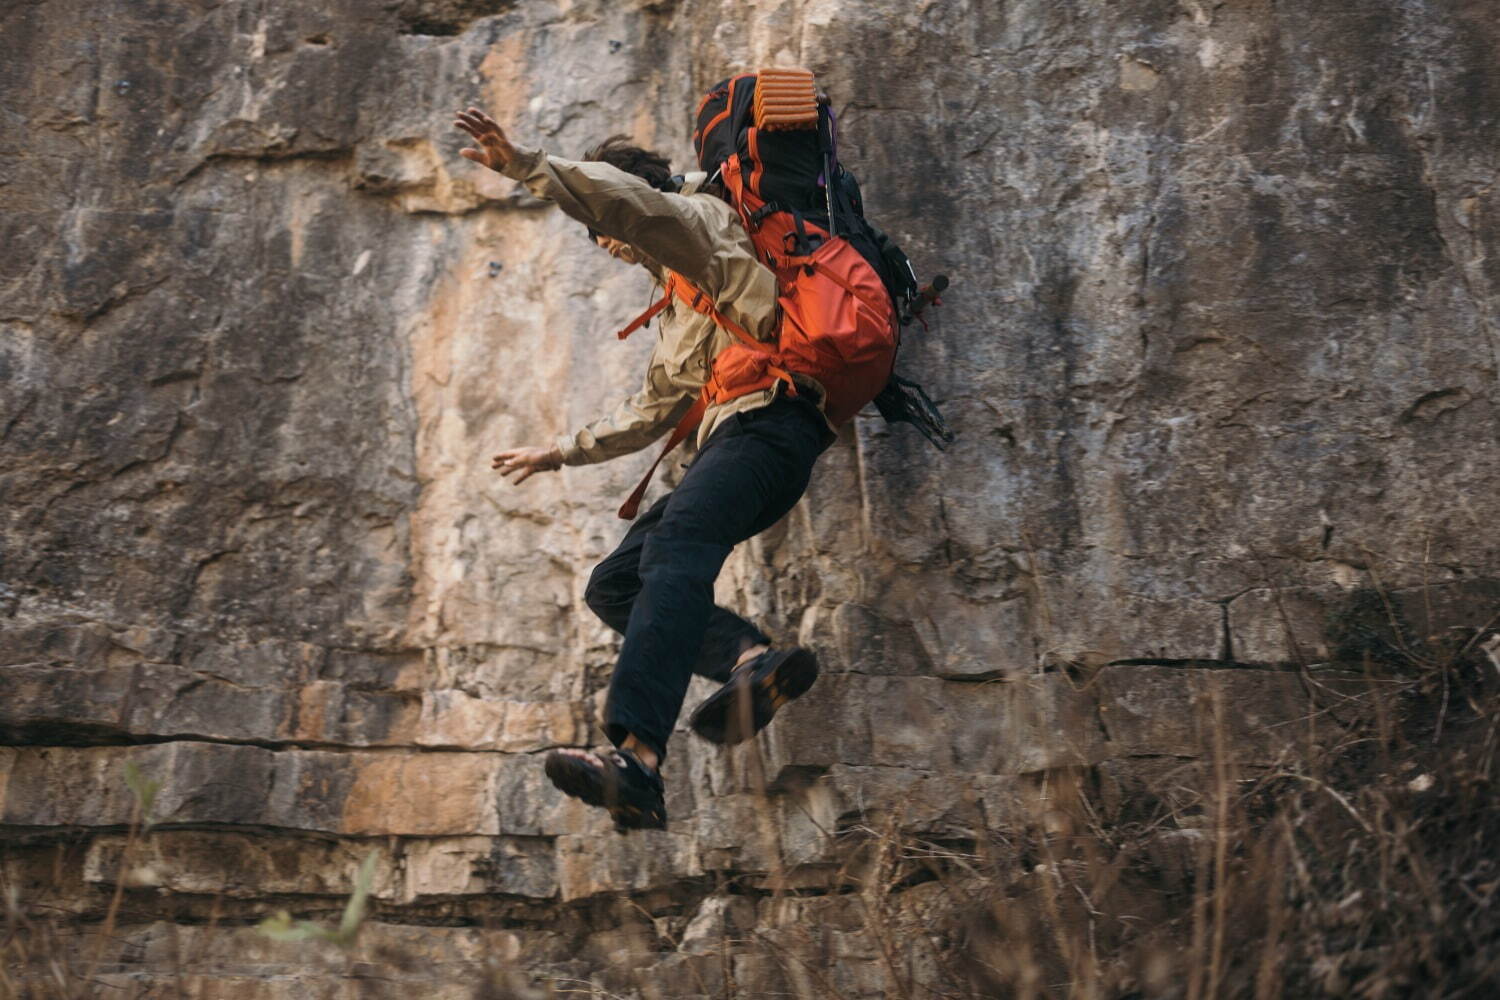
(1362, 866)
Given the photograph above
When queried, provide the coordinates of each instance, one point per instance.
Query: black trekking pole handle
(926, 296)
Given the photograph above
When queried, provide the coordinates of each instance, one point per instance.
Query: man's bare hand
(495, 150)
(527, 462)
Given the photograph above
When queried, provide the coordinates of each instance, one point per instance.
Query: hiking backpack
(843, 288)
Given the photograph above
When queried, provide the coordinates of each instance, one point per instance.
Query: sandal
(750, 698)
(616, 781)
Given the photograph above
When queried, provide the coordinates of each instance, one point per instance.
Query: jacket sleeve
(697, 236)
(634, 424)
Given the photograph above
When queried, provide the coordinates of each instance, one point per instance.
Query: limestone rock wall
(1220, 350)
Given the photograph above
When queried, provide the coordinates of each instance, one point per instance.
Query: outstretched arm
(699, 239)
(665, 395)
(634, 424)
(667, 227)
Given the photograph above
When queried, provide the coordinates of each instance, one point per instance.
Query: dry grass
(1364, 867)
(1367, 868)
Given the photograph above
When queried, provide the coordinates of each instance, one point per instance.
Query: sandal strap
(627, 760)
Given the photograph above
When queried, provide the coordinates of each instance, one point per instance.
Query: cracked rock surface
(1221, 351)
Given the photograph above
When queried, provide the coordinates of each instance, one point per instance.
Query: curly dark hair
(619, 151)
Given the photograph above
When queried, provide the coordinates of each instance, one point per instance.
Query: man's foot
(749, 699)
(615, 780)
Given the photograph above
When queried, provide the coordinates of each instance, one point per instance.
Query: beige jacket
(699, 237)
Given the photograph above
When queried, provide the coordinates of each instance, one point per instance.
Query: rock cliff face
(1221, 351)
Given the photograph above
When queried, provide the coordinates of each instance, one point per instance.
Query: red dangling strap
(690, 420)
(685, 426)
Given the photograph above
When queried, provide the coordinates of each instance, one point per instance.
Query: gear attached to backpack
(779, 136)
(844, 289)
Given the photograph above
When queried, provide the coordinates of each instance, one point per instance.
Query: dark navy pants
(656, 588)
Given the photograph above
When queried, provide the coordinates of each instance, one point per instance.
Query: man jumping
(756, 453)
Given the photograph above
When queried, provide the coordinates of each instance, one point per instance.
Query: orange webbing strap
(646, 316)
(682, 288)
(685, 426)
(705, 305)
(744, 337)
(786, 379)
(689, 422)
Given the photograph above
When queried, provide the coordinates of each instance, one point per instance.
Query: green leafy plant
(144, 789)
(281, 927)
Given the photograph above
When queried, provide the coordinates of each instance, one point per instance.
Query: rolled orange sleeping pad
(785, 99)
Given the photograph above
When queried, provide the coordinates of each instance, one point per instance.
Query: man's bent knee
(609, 594)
